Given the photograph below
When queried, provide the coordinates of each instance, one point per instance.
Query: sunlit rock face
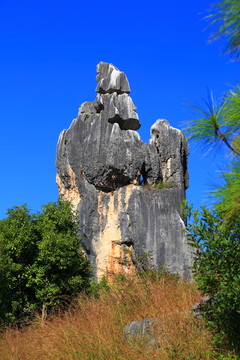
(111, 177)
(111, 80)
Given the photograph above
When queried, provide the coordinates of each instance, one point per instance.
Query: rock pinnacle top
(110, 80)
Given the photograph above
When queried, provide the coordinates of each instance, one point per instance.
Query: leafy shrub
(41, 263)
(217, 271)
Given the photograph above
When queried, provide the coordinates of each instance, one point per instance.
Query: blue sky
(49, 53)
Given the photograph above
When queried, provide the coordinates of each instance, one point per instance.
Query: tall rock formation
(128, 193)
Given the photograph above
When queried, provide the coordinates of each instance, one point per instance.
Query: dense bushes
(215, 233)
(41, 263)
(217, 272)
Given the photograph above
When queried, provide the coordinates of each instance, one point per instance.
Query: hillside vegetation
(93, 328)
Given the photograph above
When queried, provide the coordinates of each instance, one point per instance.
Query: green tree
(225, 16)
(219, 125)
(41, 262)
(18, 244)
(215, 233)
(217, 272)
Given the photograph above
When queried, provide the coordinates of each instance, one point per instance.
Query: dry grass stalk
(93, 330)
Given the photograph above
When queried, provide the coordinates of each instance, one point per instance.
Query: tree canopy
(215, 233)
(42, 264)
(225, 18)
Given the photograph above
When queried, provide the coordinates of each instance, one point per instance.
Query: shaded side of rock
(171, 153)
(158, 230)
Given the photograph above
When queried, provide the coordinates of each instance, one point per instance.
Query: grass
(161, 185)
(93, 328)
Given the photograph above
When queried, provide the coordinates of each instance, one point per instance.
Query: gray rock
(101, 165)
(110, 80)
(146, 331)
(198, 309)
(157, 227)
(120, 109)
(172, 150)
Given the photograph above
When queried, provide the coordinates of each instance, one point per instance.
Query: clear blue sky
(49, 52)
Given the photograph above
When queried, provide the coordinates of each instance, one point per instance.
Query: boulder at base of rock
(146, 331)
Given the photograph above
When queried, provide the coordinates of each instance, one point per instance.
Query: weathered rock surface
(146, 331)
(110, 80)
(199, 308)
(101, 165)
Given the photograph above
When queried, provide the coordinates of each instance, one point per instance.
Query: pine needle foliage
(217, 123)
(215, 234)
(225, 16)
(228, 195)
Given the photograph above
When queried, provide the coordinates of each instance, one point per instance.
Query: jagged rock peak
(127, 192)
(110, 80)
(112, 103)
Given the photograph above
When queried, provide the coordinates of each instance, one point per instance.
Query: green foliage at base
(217, 272)
(41, 263)
(97, 288)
